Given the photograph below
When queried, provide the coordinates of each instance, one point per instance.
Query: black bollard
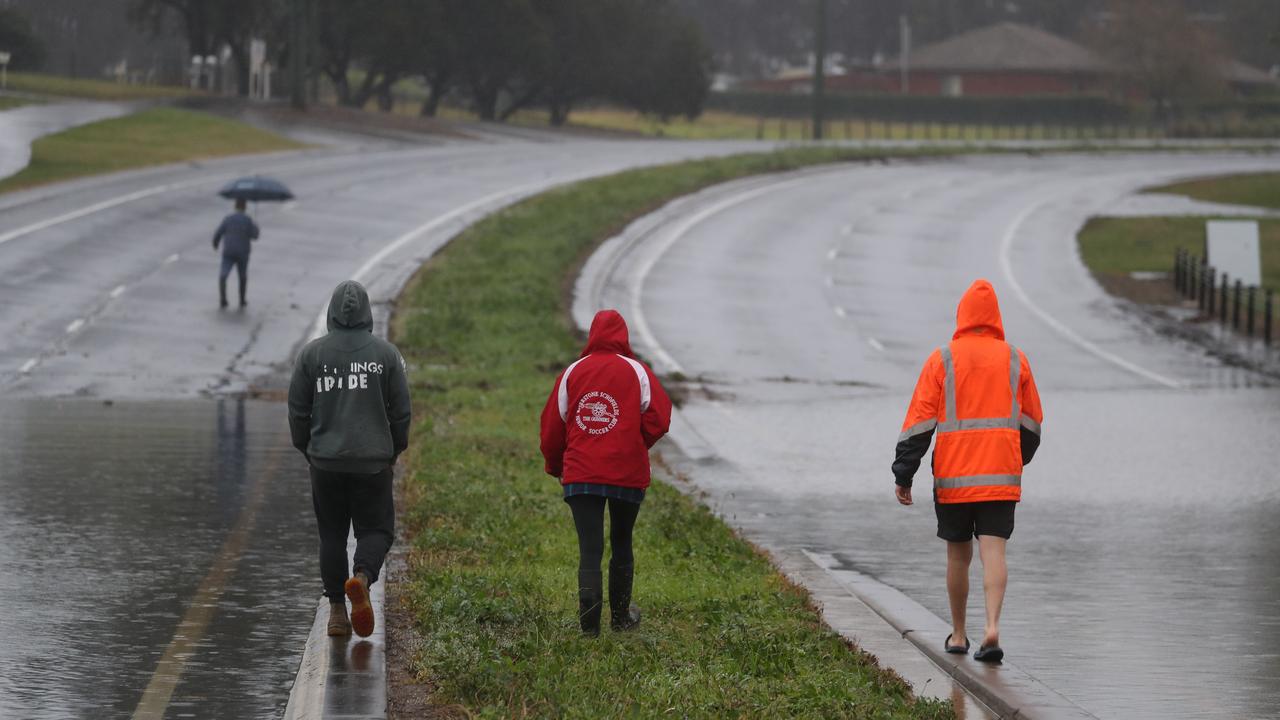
(1192, 279)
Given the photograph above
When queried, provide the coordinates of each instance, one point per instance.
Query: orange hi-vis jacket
(977, 393)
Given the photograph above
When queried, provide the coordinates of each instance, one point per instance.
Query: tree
(210, 24)
(1160, 52)
(16, 38)
(502, 52)
(661, 65)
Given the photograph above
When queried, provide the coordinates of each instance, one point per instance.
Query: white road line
(846, 230)
(118, 291)
(319, 326)
(639, 323)
(29, 365)
(75, 325)
(1006, 245)
(98, 207)
(839, 311)
(876, 344)
(833, 253)
(172, 259)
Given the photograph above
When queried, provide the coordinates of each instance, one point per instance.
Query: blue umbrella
(256, 189)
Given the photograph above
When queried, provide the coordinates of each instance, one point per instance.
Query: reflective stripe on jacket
(978, 395)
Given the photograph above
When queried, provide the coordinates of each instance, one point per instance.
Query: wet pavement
(162, 524)
(116, 517)
(1143, 569)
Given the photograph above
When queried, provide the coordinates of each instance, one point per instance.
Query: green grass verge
(152, 137)
(1119, 246)
(493, 557)
(90, 89)
(1257, 189)
(8, 103)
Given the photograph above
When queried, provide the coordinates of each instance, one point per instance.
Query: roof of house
(1234, 71)
(1006, 46)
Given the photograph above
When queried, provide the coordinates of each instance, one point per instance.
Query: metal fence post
(1249, 313)
(1192, 280)
(1211, 281)
(1177, 271)
(1202, 291)
(1266, 318)
(1222, 310)
(1235, 305)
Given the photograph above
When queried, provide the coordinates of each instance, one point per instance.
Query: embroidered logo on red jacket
(597, 412)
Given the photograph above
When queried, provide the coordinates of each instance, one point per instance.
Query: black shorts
(960, 522)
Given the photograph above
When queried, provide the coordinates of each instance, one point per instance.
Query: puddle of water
(112, 517)
(1145, 566)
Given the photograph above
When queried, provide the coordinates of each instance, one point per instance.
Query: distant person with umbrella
(238, 231)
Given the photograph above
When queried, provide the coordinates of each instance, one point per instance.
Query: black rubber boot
(625, 615)
(222, 291)
(590, 602)
(244, 281)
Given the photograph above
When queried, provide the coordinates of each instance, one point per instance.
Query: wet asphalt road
(24, 125)
(1143, 569)
(161, 524)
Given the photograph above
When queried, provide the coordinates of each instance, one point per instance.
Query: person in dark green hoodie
(349, 415)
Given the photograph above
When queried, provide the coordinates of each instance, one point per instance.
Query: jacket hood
(349, 308)
(608, 334)
(979, 312)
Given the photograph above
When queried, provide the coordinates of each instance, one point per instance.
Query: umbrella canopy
(256, 189)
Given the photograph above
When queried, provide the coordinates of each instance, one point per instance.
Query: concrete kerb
(343, 678)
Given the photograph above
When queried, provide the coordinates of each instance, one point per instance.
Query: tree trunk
(486, 102)
(523, 101)
(438, 86)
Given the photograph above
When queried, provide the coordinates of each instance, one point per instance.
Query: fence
(1232, 304)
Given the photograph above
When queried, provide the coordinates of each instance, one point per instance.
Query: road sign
(1233, 248)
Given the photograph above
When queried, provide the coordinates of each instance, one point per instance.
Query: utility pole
(819, 68)
(298, 54)
(904, 54)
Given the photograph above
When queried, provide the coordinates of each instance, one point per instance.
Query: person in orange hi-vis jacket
(978, 395)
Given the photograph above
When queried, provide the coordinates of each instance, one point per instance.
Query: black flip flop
(955, 649)
(992, 654)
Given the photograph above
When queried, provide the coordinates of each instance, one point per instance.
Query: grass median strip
(89, 89)
(1256, 189)
(491, 579)
(152, 137)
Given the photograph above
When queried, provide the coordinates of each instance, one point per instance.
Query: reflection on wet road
(1144, 570)
(114, 516)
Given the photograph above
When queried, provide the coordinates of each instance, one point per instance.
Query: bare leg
(959, 555)
(995, 576)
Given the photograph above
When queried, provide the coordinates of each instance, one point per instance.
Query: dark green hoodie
(349, 399)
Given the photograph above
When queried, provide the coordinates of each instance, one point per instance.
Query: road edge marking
(1006, 266)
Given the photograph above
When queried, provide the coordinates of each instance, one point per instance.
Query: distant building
(1007, 59)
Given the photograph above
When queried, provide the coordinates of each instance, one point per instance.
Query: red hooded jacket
(605, 412)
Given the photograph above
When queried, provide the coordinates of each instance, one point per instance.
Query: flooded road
(114, 517)
(1143, 567)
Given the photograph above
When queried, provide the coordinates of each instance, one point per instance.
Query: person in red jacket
(605, 412)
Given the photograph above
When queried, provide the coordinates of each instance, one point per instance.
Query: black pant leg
(242, 270)
(373, 517)
(622, 523)
(588, 519)
(333, 519)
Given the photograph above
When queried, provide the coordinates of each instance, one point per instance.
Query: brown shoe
(339, 625)
(357, 589)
